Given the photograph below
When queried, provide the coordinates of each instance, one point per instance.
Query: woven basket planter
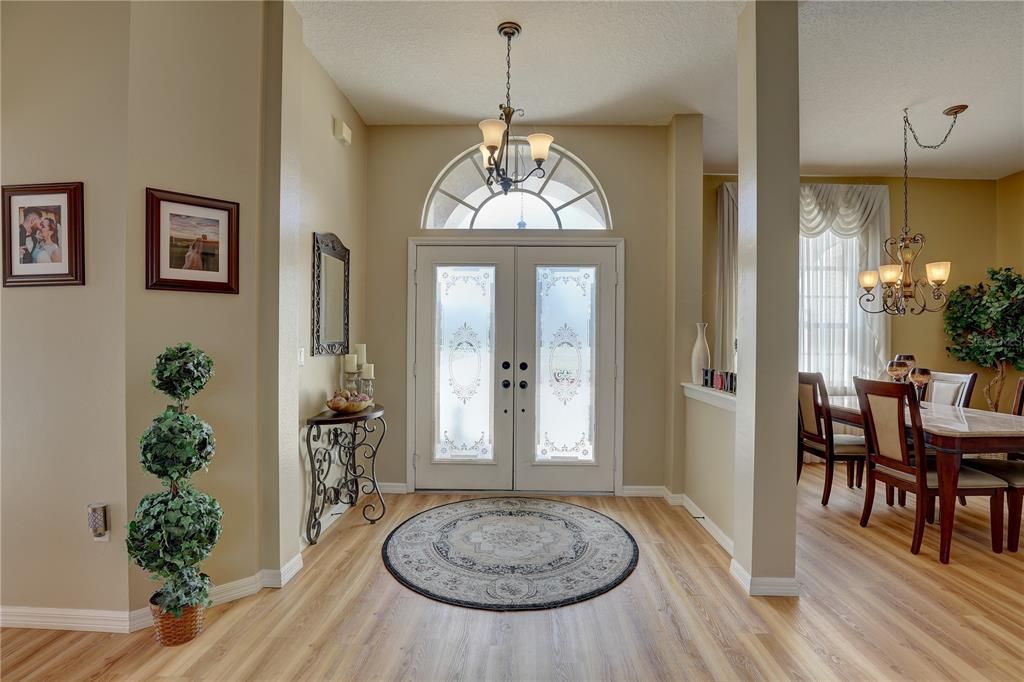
(171, 630)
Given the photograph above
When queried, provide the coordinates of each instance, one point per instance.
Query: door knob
(523, 384)
(506, 365)
(506, 383)
(523, 366)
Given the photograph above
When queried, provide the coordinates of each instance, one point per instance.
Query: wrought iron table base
(351, 445)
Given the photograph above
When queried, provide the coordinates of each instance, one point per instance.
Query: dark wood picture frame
(154, 197)
(73, 252)
(327, 244)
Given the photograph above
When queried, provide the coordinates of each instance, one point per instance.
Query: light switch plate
(302, 357)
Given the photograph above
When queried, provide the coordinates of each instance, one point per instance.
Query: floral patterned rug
(510, 553)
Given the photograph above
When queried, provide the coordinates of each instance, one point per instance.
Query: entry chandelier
(902, 291)
(497, 131)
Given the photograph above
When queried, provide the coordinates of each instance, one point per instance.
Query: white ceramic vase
(700, 358)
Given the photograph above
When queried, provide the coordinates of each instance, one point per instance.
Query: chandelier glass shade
(497, 132)
(901, 290)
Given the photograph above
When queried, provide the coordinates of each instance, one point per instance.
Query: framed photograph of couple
(191, 243)
(43, 241)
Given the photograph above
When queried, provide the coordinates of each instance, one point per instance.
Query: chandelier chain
(906, 165)
(508, 72)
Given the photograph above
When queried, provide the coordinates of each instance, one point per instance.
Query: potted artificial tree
(985, 325)
(173, 530)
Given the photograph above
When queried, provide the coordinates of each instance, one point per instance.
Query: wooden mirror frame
(327, 244)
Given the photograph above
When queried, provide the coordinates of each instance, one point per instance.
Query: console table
(349, 442)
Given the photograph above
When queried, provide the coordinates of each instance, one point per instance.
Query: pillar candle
(368, 371)
(360, 354)
(350, 362)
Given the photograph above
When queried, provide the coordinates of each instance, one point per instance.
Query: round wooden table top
(331, 417)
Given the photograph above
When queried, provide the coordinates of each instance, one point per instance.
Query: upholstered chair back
(947, 388)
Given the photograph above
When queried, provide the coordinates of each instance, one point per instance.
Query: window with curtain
(841, 232)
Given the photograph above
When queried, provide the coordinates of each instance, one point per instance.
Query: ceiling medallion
(497, 131)
(901, 290)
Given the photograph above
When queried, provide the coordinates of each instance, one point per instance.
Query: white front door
(565, 358)
(515, 368)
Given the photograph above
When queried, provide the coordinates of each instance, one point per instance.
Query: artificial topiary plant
(985, 325)
(173, 530)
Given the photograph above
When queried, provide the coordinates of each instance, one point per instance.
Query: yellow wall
(1010, 221)
(958, 219)
(631, 163)
(1010, 245)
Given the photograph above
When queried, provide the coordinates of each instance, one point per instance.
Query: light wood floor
(869, 610)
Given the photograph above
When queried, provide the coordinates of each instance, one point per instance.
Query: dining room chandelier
(497, 132)
(901, 290)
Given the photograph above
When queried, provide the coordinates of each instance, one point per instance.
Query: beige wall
(684, 259)
(631, 163)
(185, 97)
(709, 467)
(62, 397)
(194, 97)
(333, 199)
(958, 219)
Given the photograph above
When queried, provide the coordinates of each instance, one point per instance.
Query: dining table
(951, 432)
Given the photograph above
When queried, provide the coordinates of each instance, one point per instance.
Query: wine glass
(907, 358)
(920, 376)
(897, 369)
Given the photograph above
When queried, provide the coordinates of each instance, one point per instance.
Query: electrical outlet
(302, 357)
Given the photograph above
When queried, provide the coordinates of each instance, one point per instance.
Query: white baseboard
(675, 499)
(710, 526)
(138, 619)
(644, 491)
(764, 586)
(93, 620)
(278, 579)
(393, 488)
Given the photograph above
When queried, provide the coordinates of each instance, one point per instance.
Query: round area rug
(510, 553)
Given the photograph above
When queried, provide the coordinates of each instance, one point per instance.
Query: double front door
(515, 368)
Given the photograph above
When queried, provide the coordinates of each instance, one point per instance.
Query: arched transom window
(568, 197)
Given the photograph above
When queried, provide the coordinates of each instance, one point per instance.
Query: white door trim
(496, 238)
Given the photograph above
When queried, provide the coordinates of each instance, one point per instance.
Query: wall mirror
(330, 295)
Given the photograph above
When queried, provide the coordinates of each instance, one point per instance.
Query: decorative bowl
(348, 406)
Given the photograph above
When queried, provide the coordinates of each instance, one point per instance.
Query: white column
(764, 558)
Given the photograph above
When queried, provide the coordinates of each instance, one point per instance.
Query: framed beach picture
(43, 241)
(191, 243)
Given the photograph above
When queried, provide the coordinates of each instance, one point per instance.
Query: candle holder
(351, 381)
(366, 387)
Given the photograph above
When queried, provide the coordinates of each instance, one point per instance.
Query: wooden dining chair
(1017, 409)
(1011, 471)
(817, 438)
(899, 461)
(948, 388)
(945, 388)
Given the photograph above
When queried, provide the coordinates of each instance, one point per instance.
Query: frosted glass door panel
(566, 363)
(565, 368)
(465, 309)
(464, 362)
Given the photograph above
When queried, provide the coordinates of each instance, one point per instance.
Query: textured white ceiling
(637, 63)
